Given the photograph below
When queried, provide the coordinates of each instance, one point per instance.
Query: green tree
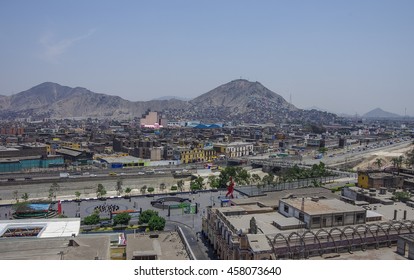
(409, 162)
(54, 188)
(268, 179)
(242, 177)
(77, 194)
(122, 218)
(92, 219)
(316, 183)
(156, 223)
(213, 182)
(255, 179)
(100, 191)
(378, 162)
(180, 185)
(128, 191)
(118, 187)
(174, 188)
(25, 196)
(16, 195)
(397, 162)
(146, 216)
(197, 184)
(162, 187)
(394, 162)
(401, 196)
(150, 189)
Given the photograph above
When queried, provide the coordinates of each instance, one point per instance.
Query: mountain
(51, 100)
(380, 114)
(239, 101)
(241, 95)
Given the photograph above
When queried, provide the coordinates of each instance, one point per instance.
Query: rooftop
(323, 206)
(69, 152)
(123, 159)
(258, 242)
(387, 211)
(167, 246)
(67, 248)
(63, 227)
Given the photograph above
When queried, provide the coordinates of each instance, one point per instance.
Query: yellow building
(198, 154)
(363, 179)
(71, 145)
(48, 149)
(379, 180)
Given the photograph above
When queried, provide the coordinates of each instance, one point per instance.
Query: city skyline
(348, 57)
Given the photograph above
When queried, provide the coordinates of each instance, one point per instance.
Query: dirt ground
(385, 155)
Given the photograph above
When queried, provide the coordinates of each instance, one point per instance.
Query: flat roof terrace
(323, 206)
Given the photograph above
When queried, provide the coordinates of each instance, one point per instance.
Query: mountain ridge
(235, 101)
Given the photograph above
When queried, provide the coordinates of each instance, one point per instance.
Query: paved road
(195, 242)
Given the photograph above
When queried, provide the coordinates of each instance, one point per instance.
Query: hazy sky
(344, 56)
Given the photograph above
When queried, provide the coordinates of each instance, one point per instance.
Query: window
(339, 219)
(360, 218)
(301, 216)
(286, 208)
(316, 220)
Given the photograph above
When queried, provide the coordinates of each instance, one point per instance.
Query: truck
(64, 175)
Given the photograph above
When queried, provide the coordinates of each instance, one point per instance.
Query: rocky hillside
(55, 101)
(242, 96)
(241, 101)
(238, 101)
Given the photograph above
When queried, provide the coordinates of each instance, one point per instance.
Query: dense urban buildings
(364, 201)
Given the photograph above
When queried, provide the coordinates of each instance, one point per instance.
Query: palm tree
(16, 195)
(77, 194)
(394, 162)
(128, 191)
(378, 162)
(118, 188)
(54, 188)
(25, 196)
(255, 179)
(100, 191)
(143, 189)
(409, 162)
(180, 185)
(162, 187)
(213, 182)
(316, 183)
(397, 162)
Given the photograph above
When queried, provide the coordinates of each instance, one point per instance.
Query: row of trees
(101, 191)
(148, 218)
(242, 177)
